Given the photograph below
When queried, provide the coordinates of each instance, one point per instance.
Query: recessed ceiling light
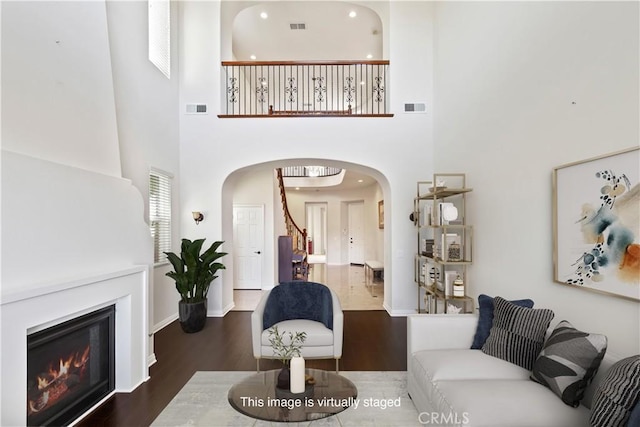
(352, 14)
(361, 180)
(297, 188)
(369, 56)
(253, 57)
(264, 15)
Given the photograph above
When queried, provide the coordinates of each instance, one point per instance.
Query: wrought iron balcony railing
(316, 88)
(309, 171)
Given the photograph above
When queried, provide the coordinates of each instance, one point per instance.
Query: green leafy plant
(281, 349)
(193, 271)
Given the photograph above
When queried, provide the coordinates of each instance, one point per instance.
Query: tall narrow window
(160, 35)
(160, 213)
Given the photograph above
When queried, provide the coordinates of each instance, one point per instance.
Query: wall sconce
(197, 217)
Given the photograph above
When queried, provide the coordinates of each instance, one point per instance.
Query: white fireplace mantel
(39, 307)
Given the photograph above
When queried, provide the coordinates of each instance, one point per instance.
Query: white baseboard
(158, 326)
(151, 359)
(397, 313)
(221, 313)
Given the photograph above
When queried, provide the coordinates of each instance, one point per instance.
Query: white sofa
(450, 384)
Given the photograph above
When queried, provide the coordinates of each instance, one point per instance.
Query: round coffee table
(258, 397)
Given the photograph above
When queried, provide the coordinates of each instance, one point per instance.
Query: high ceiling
(352, 181)
(329, 34)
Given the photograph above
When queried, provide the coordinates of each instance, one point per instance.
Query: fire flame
(76, 360)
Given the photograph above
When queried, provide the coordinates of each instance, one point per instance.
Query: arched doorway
(255, 185)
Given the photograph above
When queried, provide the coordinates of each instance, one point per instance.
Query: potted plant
(193, 274)
(285, 352)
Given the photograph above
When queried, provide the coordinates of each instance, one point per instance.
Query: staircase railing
(298, 235)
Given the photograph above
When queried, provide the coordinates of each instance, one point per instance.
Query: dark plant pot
(284, 378)
(192, 315)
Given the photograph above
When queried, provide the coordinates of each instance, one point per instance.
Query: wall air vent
(415, 107)
(298, 26)
(196, 108)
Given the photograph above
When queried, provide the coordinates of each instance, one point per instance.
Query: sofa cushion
(485, 318)
(568, 361)
(517, 334)
(317, 333)
(617, 394)
(505, 403)
(442, 365)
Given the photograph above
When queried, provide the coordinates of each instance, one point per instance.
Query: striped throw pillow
(517, 334)
(617, 394)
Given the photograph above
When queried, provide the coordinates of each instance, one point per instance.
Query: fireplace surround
(32, 310)
(70, 367)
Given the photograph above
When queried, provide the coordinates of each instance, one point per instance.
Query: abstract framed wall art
(596, 224)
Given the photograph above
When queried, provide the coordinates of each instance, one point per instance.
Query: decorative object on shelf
(427, 247)
(434, 274)
(601, 249)
(449, 239)
(297, 374)
(193, 274)
(453, 309)
(449, 277)
(458, 287)
(449, 212)
(440, 185)
(454, 252)
(285, 352)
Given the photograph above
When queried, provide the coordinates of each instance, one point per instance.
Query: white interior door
(248, 242)
(356, 233)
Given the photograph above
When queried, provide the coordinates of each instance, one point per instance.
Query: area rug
(203, 402)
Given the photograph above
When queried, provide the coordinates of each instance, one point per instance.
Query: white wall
(57, 90)
(68, 216)
(147, 118)
(397, 149)
(63, 198)
(521, 88)
(337, 224)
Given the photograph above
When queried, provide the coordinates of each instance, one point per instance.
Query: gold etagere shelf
(444, 244)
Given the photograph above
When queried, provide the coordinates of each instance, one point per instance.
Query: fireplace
(70, 368)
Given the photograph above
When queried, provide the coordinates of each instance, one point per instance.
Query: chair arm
(338, 326)
(256, 325)
(440, 331)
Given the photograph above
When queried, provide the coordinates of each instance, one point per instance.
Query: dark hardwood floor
(373, 341)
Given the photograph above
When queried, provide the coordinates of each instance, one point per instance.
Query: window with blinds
(160, 35)
(160, 214)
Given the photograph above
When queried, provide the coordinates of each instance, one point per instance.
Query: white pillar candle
(297, 374)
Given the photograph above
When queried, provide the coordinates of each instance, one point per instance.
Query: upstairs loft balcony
(305, 89)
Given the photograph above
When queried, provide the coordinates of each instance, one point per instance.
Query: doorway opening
(316, 221)
(324, 212)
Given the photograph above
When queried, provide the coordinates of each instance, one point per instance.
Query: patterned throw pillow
(517, 334)
(485, 318)
(617, 394)
(568, 361)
